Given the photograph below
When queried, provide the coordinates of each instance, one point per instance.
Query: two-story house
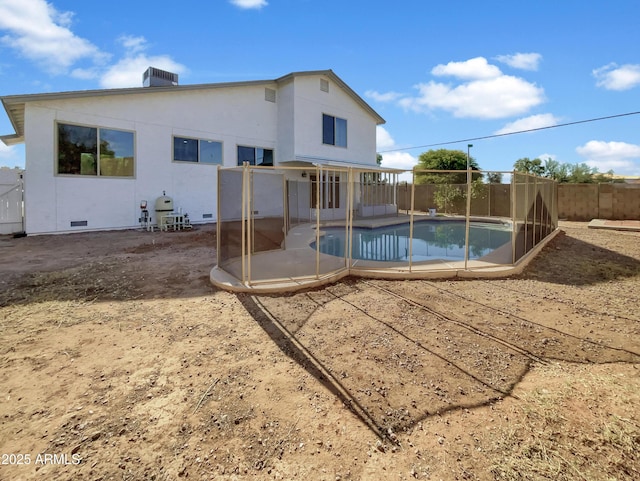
(93, 156)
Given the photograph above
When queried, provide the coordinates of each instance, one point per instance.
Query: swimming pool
(434, 239)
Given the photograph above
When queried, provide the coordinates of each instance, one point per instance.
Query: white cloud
(475, 68)
(5, 151)
(11, 156)
(133, 44)
(247, 4)
(127, 72)
(394, 160)
(492, 98)
(384, 141)
(546, 156)
(41, 33)
(386, 97)
(529, 123)
(399, 160)
(483, 92)
(621, 157)
(524, 61)
(613, 77)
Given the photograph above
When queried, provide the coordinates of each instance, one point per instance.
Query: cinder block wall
(583, 202)
(578, 202)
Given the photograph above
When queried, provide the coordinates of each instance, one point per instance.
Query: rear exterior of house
(92, 157)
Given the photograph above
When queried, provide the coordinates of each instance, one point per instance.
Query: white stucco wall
(237, 116)
(233, 115)
(311, 103)
(286, 122)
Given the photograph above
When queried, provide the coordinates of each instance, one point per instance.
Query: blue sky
(436, 71)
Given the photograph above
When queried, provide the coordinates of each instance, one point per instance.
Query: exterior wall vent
(207, 216)
(79, 223)
(324, 85)
(270, 95)
(154, 77)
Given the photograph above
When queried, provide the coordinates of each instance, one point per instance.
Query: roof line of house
(14, 105)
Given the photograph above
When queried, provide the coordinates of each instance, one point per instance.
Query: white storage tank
(164, 205)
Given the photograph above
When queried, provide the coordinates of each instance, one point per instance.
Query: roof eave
(15, 112)
(12, 139)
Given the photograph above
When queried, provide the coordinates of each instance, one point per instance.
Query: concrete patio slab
(627, 225)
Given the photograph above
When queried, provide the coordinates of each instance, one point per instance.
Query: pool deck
(625, 225)
(295, 267)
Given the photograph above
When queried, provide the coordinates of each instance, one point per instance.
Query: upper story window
(95, 151)
(334, 131)
(255, 155)
(197, 150)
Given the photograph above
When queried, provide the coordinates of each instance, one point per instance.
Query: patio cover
(305, 161)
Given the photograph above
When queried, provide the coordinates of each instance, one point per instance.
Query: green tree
(556, 171)
(451, 198)
(444, 159)
(582, 174)
(379, 159)
(607, 178)
(529, 166)
(563, 172)
(494, 177)
(448, 198)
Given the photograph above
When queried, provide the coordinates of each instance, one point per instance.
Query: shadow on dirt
(398, 363)
(387, 400)
(570, 261)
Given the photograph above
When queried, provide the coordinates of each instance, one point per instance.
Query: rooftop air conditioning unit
(154, 77)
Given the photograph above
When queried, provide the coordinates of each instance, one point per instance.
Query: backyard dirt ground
(120, 361)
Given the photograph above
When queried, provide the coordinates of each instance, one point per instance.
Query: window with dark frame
(255, 156)
(197, 150)
(334, 131)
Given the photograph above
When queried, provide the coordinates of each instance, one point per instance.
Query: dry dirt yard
(119, 361)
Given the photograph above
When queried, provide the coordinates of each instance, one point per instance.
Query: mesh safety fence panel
(443, 238)
(532, 209)
(230, 221)
(305, 223)
(331, 203)
(266, 233)
(489, 235)
(379, 238)
(520, 201)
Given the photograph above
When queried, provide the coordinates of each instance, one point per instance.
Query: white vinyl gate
(11, 202)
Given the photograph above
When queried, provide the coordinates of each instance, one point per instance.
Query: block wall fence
(576, 202)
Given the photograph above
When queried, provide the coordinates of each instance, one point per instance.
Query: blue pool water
(431, 240)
